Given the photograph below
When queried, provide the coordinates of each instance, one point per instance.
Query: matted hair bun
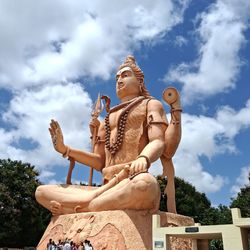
(130, 59)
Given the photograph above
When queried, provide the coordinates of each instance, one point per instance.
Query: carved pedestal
(113, 230)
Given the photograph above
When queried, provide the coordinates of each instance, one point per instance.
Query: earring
(140, 88)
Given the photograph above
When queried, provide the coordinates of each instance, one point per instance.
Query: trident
(97, 109)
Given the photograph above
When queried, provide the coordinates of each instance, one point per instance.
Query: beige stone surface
(113, 230)
(235, 236)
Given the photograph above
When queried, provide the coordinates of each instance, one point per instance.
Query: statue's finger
(132, 169)
(139, 168)
(51, 132)
(127, 167)
(58, 127)
(53, 125)
(57, 124)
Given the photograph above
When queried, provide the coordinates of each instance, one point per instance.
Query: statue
(133, 135)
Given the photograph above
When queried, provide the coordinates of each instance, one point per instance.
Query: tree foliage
(189, 202)
(192, 203)
(22, 220)
(242, 200)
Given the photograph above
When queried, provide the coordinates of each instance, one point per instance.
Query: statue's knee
(145, 182)
(140, 185)
(39, 193)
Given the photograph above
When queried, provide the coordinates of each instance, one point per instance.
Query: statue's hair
(130, 62)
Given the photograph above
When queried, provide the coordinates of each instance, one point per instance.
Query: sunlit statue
(133, 135)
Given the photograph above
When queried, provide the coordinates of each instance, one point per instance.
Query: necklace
(113, 148)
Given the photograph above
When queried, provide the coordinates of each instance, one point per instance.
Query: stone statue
(133, 135)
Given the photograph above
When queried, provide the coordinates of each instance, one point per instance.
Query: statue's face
(126, 83)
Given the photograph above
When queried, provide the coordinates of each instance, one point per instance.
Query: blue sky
(56, 56)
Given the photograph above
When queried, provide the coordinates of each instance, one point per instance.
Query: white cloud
(61, 40)
(221, 37)
(180, 41)
(49, 42)
(232, 120)
(241, 181)
(54, 182)
(46, 174)
(29, 114)
(207, 137)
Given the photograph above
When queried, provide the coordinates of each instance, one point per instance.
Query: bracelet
(66, 154)
(147, 159)
(177, 109)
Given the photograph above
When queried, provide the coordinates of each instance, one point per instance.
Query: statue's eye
(125, 74)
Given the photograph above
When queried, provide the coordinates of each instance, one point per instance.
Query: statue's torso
(135, 135)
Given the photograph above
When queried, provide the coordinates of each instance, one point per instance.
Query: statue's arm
(95, 159)
(90, 159)
(157, 124)
(173, 132)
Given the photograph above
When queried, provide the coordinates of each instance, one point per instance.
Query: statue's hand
(94, 125)
(138, 166)
(57, 137)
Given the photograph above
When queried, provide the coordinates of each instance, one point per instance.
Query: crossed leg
(141, 193)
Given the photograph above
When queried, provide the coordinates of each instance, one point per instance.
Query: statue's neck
(128, 98)
(127, 103)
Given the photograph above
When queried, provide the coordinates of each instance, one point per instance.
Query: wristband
(66, 154)
(147, 159)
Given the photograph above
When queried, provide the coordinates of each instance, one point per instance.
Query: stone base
(119, 230)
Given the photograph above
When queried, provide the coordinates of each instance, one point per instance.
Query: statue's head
(137, 73)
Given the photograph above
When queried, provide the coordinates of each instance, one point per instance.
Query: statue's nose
(119, 81)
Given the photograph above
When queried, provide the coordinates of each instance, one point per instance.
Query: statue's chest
(132, 121)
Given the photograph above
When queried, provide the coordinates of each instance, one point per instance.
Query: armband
(152, 121)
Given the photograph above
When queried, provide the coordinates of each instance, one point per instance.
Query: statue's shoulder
(154, 104)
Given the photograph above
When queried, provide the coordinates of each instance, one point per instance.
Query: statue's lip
(120, 85)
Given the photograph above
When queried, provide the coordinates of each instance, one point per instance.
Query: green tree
(242, 200)
(189, 201)
(217, 215)
(22, 220)
(192, 203)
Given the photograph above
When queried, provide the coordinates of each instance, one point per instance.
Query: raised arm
(95, 160)
(173, 132)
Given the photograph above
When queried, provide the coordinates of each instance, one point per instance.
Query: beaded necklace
(113, 148)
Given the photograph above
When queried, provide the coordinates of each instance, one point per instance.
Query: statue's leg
(63, 199)
(141, 193)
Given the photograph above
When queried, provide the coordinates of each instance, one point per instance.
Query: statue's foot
(55, 208)
(79, 209)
